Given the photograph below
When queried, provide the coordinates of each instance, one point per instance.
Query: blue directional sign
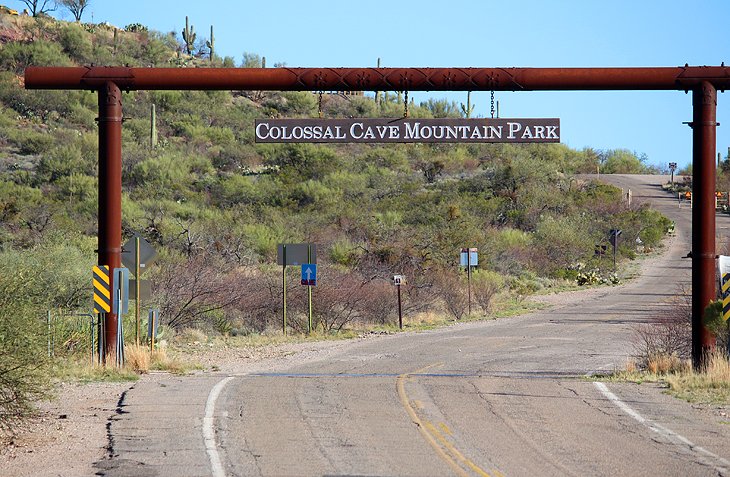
(309, 274)
(469, 257)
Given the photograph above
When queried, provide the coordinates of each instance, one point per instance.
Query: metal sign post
(309, 278)
(469, 258)
(613, 238)
(283, 284)
(468, 279)
(137, 254)
(138, 281)
(120, 310)
(397, 280)
(296, 254)
(153, 322)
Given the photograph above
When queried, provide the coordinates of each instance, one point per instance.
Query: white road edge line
(661, 430)
(209, 429)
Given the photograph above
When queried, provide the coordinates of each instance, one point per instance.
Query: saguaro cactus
(211, 44)
(153, 127)
(469, 108)
(189, 37)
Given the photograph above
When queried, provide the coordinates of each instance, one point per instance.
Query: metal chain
(320, 105)
(492, 109)
(405, 106)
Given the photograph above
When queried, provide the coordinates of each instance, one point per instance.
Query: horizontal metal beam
(379, 79)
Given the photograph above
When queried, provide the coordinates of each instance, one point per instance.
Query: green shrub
(344, 252)
(30, 142)
(61, 162)
(485, 286)
(31, 282)
(76, 43)
(299, 102)
(16, 56)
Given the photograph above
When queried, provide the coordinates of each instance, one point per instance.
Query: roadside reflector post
(704, 124)
(724, 265)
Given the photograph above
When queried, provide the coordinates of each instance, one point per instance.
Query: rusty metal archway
(703, 81)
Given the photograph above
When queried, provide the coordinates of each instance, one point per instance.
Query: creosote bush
(666, 340)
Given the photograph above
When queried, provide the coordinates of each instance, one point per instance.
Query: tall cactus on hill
(189, 37)
(153, 127)
(468, 109)
(211, 44)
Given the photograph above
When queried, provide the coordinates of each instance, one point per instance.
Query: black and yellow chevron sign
(102, 289)
(725, 296)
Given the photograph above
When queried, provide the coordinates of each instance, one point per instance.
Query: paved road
(502, 398)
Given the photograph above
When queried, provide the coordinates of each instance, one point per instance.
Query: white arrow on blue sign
(309, 274)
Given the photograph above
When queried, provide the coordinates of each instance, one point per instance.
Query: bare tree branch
(76, 7)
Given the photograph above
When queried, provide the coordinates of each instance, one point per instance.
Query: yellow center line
(453, 450)
(445, 449)
(445, 428)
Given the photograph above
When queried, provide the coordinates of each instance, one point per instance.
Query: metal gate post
(110, 195)
(704, 123)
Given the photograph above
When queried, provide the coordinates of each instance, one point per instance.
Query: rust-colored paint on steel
(704, 81)
(379, 79)
(110, 195)
(704, 121)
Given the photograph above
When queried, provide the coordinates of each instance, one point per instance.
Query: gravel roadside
(70, 432)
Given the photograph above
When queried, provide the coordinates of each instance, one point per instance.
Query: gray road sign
(145, 289)
(297, 253)
(147, 254)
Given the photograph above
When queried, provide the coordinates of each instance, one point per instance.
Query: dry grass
(137, 358)
(631, 366)
(710, 386)
(190, 336)
(140, 360)
(665, 364)
(82, 371)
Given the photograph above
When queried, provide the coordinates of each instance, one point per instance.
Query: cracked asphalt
(511, 397)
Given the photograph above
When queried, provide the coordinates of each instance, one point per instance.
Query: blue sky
(526, 33)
